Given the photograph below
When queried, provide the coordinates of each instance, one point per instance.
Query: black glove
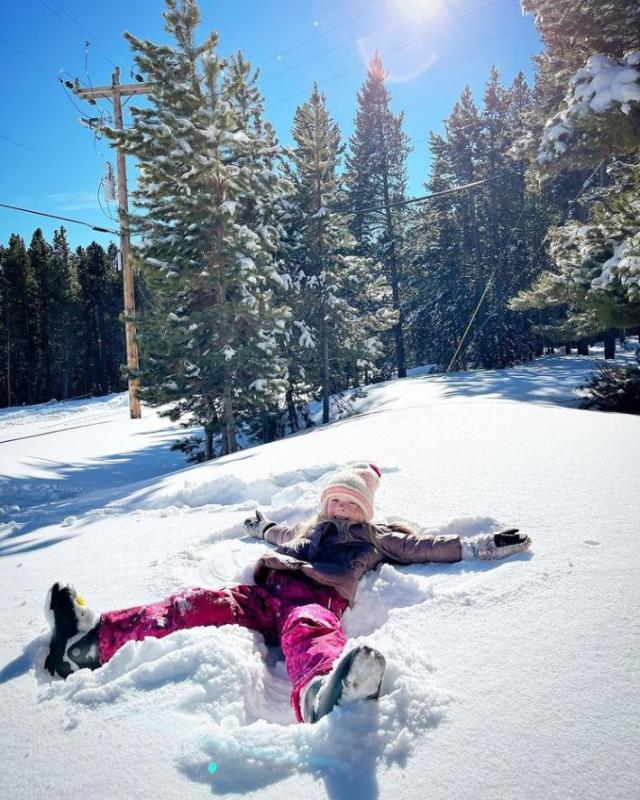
(493, 546)
(256, 526)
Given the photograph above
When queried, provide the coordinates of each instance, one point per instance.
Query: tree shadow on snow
(548, 380)
(71, 490)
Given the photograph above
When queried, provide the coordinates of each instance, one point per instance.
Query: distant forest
(60, 330)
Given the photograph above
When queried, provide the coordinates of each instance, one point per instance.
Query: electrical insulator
(109, 183)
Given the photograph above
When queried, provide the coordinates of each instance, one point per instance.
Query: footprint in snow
(591, 542)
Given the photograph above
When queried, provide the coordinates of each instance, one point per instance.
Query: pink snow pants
(300, 614)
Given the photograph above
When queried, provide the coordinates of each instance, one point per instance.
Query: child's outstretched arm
(410, 547)
(414, 548)
(262, 527)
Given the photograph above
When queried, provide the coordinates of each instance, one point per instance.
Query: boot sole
(357, 677)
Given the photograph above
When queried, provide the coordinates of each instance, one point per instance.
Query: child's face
(341, 506)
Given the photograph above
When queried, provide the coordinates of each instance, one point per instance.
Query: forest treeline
(276, 276)
(60, 329)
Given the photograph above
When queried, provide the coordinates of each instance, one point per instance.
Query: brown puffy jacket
(338, 554)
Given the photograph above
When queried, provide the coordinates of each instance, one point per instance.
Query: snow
(228, 207)
(245, 263)
(504, 679)
(238, 136)
(603, 84)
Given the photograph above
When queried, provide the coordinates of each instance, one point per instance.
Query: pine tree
(339, 306)
(596, 275)
(475, 248)
(589, 114)
(99, 288)
(40, 258)
(20, 322)
(207, 190)
(65, 330)
(5, 333)
(572, 33)
(376, 184)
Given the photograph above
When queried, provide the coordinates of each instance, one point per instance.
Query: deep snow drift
(507, 679)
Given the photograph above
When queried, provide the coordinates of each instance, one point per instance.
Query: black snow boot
(356, 676)
(74, 632)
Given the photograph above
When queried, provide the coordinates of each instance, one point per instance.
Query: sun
(419, 9)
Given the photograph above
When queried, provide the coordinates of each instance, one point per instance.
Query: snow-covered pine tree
(465, 240)
(339, 307)
(376, 183)
(206, 193)
(572, 33)
(589, 119)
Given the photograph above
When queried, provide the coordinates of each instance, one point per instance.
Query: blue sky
(51, 163)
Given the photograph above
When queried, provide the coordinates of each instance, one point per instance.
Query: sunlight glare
(420, 9)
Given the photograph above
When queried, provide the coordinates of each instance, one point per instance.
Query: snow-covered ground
(508, 679)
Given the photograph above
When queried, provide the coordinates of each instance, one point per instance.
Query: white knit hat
(359, 482)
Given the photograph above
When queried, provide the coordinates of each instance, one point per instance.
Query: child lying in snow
(300, 593)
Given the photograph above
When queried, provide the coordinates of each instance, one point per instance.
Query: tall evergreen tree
(208, 189)
(588, 116)
(5, 337)
(339, 306)
(20, 312)
(65, 328)
(376, 184)
(40, 258)
(474, 249)
(100, 297)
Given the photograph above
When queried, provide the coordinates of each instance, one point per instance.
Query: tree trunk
(325, 373)
(291, 412)
(393, 273)
(583, 347)
(399, 337)
(208, 442)
(8, 356)
(610, 343)
(229, 444)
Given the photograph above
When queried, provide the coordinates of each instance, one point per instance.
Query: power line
(55, 216)
(31, 150)
(308, 41)
(71, 28)
(25, 55)
(397, 50)
(421, 199)
(325, 52)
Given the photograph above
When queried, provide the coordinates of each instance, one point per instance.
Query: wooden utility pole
(114, 93)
